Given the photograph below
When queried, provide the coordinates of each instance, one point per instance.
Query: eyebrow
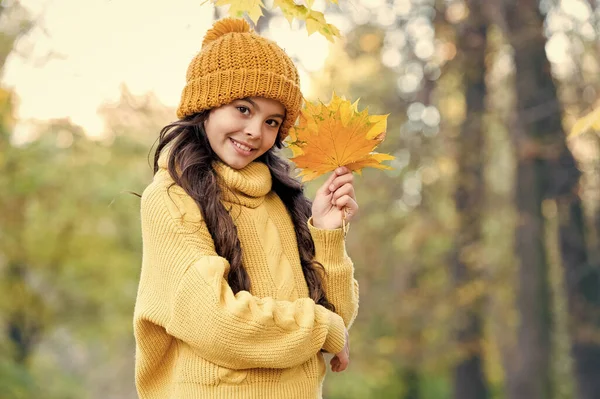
(258, 108)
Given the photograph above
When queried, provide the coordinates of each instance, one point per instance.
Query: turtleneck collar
(246, 187)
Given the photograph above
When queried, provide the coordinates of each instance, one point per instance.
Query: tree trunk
(536, 100)
(582, 282)
(532, 374)
(23, 325)
(469, 378)
(411, 377)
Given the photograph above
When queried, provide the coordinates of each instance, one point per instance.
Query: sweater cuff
(336, 335)
(330, 245)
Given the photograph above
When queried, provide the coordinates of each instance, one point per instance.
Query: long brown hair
(190, 166)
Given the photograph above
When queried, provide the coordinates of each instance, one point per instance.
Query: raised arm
(340, 285)
(334, 201)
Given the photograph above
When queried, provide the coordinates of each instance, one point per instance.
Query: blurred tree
(576, 74)
(411, 305)
(68, 254)
(15, 342)
(469, 377)
(547, 169)
(57, 289)
(531, 371)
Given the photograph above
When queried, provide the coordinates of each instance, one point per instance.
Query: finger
(345, 359)
(343, 367)
(340, 181)
(324, 189)
(334, 364)
(347, 202)
(346, 189)
(341, 170)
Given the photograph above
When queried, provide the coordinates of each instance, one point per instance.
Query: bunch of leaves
(314, 20)
(337, 134)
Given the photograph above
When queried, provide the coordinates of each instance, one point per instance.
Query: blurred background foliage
(478, 256)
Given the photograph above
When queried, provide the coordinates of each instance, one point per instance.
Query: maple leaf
(315, 20)
(334, 135)
(590, 121)
(306, 3)
(237, 8)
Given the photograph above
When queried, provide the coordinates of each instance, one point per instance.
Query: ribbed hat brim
(222, 87)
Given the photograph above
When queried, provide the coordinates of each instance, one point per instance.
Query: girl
(244, 283)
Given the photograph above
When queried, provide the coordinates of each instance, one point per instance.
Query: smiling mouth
(241, 146)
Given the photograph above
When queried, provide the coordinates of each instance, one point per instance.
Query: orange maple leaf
(334, 135)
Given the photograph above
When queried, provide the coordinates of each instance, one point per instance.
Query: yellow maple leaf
(334, 135)
(590, 121)
(307, 3)
(314, 20)
(291, 10)
(237, 8)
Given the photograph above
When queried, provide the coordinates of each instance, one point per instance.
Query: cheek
(269, 139)
(210, 133)
(216, 129)
(273, 136)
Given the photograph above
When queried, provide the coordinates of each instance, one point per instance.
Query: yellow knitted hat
(235, 62)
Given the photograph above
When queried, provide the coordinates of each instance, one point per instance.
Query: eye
(243, 110)
(273, 123)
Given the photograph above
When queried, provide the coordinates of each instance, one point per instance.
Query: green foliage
(71, 253)
(15, 381)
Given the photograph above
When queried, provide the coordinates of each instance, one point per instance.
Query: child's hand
(335, 197)
(341, 360)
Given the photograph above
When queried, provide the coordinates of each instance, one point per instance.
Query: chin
(237, 164)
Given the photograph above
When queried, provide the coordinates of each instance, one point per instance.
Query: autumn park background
(478, 256)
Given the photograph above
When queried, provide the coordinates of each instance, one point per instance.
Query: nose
(254, 128)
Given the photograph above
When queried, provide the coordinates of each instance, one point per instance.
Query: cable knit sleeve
(183, 292)
(340, 285)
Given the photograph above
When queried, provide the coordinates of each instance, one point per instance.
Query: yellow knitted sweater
(194, 337)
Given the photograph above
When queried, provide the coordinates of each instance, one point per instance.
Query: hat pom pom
(224, 26)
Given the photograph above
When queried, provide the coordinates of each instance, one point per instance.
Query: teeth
(243, 147)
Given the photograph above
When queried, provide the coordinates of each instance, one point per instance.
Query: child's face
(244, 129)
